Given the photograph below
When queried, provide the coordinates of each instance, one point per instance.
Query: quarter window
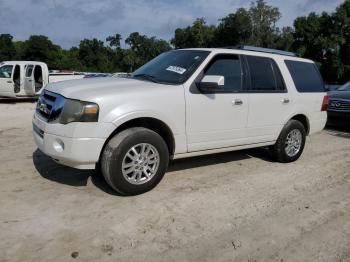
(306, 76)
(229, 67)
(264, 75)
(6, 71)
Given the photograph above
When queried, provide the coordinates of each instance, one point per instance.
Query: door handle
(237, 102)
(285, 100)
(10, 82)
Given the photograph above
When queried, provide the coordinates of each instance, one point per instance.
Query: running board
(221, 150)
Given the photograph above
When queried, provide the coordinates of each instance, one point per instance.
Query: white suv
(182, 103)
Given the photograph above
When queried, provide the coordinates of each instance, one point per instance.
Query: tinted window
(230, 68)
(6, 71)
(306, 76)
(264, 74)
(173, 67)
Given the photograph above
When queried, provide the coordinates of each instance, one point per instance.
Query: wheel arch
(304, 120)
(154, 124)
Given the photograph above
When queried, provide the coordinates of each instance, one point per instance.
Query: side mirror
(211, 83)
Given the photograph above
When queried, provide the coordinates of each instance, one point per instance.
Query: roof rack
(262, 49)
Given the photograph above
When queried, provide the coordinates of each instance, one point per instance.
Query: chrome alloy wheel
(140, 163)
(293, 142)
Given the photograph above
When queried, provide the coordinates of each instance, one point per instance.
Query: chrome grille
(339, 104)
(49, 105)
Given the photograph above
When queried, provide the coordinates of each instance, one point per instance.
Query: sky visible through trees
(324, 38)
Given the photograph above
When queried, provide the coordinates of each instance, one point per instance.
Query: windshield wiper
(148, 77)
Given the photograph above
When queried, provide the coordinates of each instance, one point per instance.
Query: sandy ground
(236, 206)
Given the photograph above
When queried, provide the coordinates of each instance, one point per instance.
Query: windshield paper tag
(176, 69)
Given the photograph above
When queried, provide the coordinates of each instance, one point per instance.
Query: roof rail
(262, 49)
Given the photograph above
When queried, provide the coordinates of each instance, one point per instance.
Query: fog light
(58, 145)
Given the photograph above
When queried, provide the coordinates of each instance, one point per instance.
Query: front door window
(6, 71)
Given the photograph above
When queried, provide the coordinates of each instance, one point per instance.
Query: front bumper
(76, 152)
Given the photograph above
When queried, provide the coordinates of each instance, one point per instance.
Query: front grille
(49, 105)
(339, 104)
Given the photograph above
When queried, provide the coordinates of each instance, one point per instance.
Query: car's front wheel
(134, 161)
(290, 143)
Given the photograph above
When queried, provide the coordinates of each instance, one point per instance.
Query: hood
(339, 94)
(95, 88)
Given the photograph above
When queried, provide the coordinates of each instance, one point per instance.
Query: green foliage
(142, 49)
(114, 41)
(93, 55)
(255, 26)
(324, 38)
(199, 34)
(40, 48)
(284, 38)
(342, 29)
(234, 29)
(7, 47)
(263, 19)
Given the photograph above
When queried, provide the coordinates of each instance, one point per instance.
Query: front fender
(180, 138)
(142, 114)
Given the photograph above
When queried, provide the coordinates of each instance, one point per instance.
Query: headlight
(78, 111)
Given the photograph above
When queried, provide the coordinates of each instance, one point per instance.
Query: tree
(114, 41)
(40, 48)
(7, 48)
(315, 37)
(324, 38)
(142, 49)
(199, 34)
(69, 60)
(19, 47)
(93, 55)
(115, 52)
(234, 29)
(130, 60)
(284, 38)
(342, 30)
(263, 18)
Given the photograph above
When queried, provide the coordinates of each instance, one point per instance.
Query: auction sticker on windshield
(176, 69)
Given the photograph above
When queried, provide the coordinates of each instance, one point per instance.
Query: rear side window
(265, 75)
(306, 76)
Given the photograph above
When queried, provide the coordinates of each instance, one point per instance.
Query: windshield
(173, 67)
(345, 87)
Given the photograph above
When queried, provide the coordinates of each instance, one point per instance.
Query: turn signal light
(90, 110)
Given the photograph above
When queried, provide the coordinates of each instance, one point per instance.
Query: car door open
(6, 81)
(29, 83)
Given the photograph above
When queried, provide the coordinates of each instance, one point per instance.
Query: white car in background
(183, 103)
(27, 78)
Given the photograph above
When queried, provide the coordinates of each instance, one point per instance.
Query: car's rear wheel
(290, 143)
(134, 161)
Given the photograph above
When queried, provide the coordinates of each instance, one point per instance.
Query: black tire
(278, 151)
(115, 150)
